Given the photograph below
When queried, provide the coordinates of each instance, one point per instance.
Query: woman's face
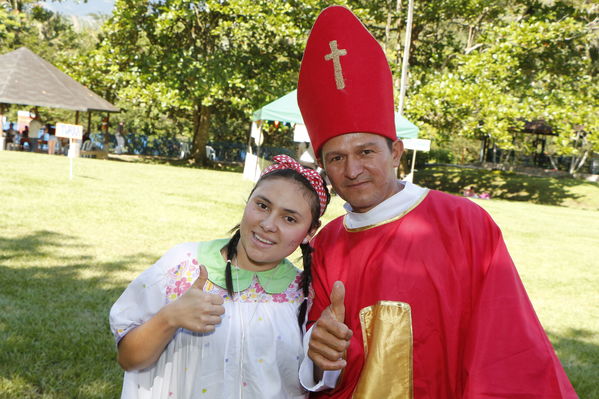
(276, 220)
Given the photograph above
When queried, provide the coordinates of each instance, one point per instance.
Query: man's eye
(261, 205)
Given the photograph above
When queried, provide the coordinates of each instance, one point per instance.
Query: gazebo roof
(27, 79)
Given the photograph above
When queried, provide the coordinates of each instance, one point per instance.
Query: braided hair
(306, 276)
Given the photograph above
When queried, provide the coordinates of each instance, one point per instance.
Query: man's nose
(353, 168)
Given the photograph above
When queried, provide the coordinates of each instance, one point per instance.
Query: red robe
(475, 332)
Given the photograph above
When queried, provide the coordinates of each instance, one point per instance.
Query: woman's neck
(242, 261)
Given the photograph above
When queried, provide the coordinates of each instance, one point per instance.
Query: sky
(79, 8)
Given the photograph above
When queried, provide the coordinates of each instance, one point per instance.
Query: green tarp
(285, 109)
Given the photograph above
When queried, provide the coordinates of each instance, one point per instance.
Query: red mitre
(345, 84)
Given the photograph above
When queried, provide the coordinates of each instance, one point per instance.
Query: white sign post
(72, 132)
(415, 145)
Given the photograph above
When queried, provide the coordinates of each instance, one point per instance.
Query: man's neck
(393, 207)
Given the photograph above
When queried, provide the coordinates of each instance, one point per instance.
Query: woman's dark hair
(306, 248)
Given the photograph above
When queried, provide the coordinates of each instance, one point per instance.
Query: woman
(233, 328)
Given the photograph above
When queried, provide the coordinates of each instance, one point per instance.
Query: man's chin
(360, 206)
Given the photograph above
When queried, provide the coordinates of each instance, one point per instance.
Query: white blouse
(255, 352)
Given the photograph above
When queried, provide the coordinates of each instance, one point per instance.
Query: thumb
(201, 280)
(337, 301)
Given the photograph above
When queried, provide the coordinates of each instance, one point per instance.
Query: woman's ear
(311, 234)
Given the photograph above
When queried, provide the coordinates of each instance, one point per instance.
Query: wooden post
(105, 128)
(2, 138)
(249, 149)
(2, 107)
(89, 122)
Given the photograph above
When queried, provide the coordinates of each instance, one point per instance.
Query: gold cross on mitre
(334, 55)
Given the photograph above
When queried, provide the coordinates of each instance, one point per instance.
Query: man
(10, 132)
(35, 124)
(416, 295)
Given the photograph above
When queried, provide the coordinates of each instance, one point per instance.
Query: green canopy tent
(286, 110)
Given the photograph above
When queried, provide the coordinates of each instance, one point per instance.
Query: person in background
(35, 125)
(120, 143)
(416, 295)
(25, 140)
(232, 328)
(10, 132)
(54, 143)
(16, 140)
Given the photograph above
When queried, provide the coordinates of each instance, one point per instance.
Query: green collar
(274, 281)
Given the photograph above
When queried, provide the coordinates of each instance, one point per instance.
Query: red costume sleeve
(321, 293)
(508, 354)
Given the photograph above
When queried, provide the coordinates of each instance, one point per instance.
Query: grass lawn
(68, 248)
(568, 192)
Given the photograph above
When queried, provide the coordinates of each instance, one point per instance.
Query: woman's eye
(261, 205)
(289, 219)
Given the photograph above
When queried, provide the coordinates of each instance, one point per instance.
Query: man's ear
(396, 152)
(320, 163)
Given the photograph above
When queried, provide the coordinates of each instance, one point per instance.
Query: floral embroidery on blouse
(255, 293)
(180, 278)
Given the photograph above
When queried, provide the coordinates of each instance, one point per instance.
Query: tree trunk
(105, 125)
(470, 36)
(577, 162)
(553, 162)
(398, 45)
(388, 31)
(201, 125)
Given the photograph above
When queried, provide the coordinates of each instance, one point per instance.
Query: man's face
(361, 168)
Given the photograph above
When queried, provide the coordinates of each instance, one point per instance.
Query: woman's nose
(268, 223)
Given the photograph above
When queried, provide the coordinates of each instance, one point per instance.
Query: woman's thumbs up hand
(197, 310)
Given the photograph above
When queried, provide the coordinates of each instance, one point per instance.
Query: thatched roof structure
(27, 79)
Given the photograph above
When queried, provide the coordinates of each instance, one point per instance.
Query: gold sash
(387, 334)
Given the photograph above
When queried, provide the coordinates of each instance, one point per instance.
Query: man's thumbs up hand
(330, 336)
(197, 310)
(337, 298)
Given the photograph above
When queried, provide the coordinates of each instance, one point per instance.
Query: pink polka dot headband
(286, 162)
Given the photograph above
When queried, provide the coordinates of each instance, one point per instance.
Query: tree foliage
(203, 61)
(49, 35)
(478, 68)
(535, 66)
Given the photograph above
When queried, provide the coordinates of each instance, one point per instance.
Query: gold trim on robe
(387, 335)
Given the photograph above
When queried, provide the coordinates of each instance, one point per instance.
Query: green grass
(568, 192)
(68, 248)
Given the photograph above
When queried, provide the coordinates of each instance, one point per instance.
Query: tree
(190, 57)
(536, 66)
(49, 35)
